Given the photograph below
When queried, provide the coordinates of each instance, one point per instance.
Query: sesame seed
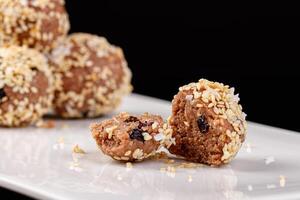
(124, 158)
(45, 124)
(128, 153)
(210, 105)
(248, 148)
(65, 126)
(271, 186)
(250, 188)
(138, 154)
(190, 178)
(119, 177)
(159, 137)
(110, 131)
(154, 125)
(162, 169)
(146, 136)
(89, 63)
(61, 140)
(186, 124)
(199, 105)
(117, 158)
(169, 161)
(269, 160)
(282, 181)
(189, 97)
(129, 165)
(77, 149)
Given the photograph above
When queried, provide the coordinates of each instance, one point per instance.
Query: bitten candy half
(208, 123)
(131, 138)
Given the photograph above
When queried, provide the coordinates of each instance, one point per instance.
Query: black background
(253, 48)
(256, 50)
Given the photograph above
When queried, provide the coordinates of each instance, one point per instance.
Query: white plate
(34, 162)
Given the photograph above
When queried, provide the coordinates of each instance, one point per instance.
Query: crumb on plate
(77, 149)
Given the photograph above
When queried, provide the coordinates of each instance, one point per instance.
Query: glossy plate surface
(40, 163)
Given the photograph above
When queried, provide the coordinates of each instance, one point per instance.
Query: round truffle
(26, 90)
(39, 24)
(207, 122)
(131, 138)
(91, 76)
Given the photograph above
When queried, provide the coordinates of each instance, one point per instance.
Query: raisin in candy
(207, 122)
(131, 138)
(137, 134)
(202, 124)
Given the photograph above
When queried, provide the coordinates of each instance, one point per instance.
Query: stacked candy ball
(39, 24)
(42, 69)
(91, 75)
(26, 86)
